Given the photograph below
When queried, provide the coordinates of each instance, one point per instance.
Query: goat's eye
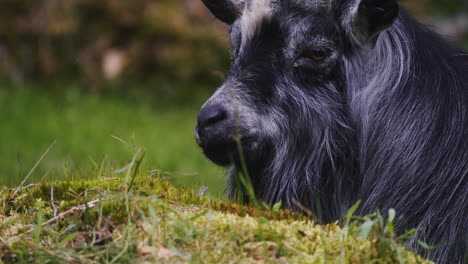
(316, 54)
(312, 58)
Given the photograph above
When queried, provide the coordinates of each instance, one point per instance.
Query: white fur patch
(327, 4)
(351, 12)
(252, 18)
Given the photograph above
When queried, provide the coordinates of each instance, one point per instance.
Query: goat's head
(285, 89)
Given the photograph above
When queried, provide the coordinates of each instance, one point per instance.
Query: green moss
(163, 223)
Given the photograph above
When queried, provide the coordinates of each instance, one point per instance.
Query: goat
(337, 101)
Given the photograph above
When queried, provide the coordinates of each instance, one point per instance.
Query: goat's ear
(225, 10)
(366, 19)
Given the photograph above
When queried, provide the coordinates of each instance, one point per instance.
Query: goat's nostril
(215, 118)
(211, 115)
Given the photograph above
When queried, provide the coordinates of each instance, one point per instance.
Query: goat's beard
(253, 166)
(219, 153)
(244, 153)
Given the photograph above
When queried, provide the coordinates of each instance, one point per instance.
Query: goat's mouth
(224, 150)
(221, 154)
(217, 145)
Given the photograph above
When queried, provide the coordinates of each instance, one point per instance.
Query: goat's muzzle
(213, 134)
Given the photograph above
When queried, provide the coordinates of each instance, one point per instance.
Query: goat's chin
(253, 154)
(230, 153)
(221, 154)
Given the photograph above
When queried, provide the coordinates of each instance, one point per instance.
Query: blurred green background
(85, 72)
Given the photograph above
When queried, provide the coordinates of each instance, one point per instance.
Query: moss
(243, 210)
(154, 221)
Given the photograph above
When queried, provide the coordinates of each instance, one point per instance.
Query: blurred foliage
(448, 7)
(100, 40)
(109, 39)
(447, 17)
(436, 7)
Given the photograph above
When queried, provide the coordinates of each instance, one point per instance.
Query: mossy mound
(146, 220)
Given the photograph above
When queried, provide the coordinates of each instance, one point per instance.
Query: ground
(130, 216)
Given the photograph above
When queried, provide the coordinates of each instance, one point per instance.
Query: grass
(86, 129)
(135, 217)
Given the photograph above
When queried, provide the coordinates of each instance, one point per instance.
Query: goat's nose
(211, 115)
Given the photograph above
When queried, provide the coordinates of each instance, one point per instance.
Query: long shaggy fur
(408, 98)
(386, 123)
